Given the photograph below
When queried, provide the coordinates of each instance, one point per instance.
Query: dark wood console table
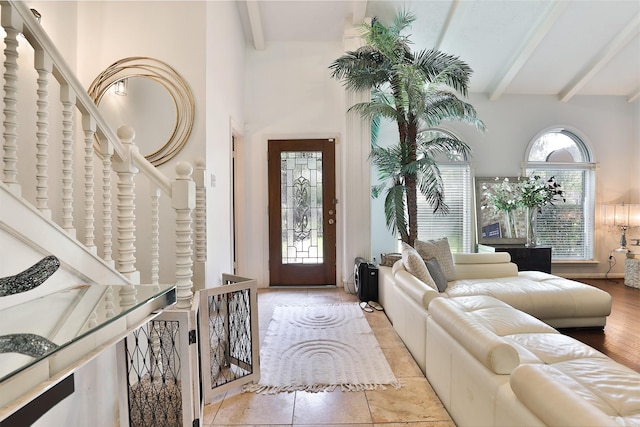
(527, 259)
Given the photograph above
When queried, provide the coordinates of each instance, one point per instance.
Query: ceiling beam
(634, 96)
(528, 46)
(624, 37)
(447, 23)
(359, 12)
(253, 10)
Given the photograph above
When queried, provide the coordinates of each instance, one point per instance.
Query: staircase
(68, 181)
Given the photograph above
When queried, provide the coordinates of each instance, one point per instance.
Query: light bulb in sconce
(121, 87)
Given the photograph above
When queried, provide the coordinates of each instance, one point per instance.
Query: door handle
(331, 221)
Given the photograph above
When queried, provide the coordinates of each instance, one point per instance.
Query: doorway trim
(338, 191)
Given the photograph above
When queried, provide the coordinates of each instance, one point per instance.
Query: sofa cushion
(437, 274)
(440, 250)
(542, 295)
(487, 347)
(580, 392)
(415, 265)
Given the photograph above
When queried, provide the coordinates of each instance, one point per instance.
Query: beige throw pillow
(415, 265)
(438, 249)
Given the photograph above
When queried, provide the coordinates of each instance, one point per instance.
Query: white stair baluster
(67, 97)
(12, 26)
(125, 263)
(183, 197)
(89, 126)
(155, 235)
(201, 211)
(43, 65)
(106, 150)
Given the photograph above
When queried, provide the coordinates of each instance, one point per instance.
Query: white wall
(172, 32)
(225, 89)
(610, 127)
(289, 94)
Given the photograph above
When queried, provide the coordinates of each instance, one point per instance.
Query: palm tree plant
(418, 92)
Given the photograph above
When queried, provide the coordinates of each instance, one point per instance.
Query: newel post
(126, 170)
(183, 200)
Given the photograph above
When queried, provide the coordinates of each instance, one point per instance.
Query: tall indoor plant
(418, 92)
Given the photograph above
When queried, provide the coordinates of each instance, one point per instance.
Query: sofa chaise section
(491, 364)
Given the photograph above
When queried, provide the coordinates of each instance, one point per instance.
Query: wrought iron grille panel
(230, 338)
(153, 381)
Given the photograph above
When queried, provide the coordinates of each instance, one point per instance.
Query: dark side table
(527, 259)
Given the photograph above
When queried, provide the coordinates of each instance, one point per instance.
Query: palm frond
(444, 145)
(443, 105)
(433, 62)
(431, 187)
(395, 210)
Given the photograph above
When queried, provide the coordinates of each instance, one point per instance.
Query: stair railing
(115, 157)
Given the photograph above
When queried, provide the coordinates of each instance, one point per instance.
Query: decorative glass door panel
(301, 204)
(302, 212)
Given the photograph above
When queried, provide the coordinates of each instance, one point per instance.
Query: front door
(302, 212)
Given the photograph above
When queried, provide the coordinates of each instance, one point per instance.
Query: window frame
(589, 167)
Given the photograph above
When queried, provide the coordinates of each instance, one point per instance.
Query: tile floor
(415, 404)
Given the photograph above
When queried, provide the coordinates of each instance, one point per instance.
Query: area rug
(319, 348)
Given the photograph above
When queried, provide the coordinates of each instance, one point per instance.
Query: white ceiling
(564, 48)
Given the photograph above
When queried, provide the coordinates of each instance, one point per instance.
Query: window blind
(568, 227)
(456, 226)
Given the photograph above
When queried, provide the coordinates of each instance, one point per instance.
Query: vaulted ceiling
(558, 47)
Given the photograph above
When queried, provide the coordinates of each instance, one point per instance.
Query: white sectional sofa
(559, 302)
(493, 365)
(487, 344)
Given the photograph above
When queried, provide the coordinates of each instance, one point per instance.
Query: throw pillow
(389, 259)
(437, 274)
(438, 249)
(415, 265)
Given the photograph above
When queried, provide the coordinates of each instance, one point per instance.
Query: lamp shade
(621, 215)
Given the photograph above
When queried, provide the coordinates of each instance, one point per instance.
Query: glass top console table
(42, 341)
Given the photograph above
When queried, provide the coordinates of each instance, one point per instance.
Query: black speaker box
(366, 280)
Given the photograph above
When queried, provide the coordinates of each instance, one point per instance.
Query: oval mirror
(152, 98)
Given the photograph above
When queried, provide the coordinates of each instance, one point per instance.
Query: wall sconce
(624, 217)
(121, 87)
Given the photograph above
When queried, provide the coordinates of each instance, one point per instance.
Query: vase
(531, 225)
(508, 225)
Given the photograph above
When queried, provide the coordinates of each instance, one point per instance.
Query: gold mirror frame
(170, 80)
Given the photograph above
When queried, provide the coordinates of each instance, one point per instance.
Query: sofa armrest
(483, 266)
(422, 293)
(488, 348)
(552, 401)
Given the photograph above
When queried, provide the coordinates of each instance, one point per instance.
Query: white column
(356, 172)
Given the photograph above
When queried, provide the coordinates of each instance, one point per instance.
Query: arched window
(566, 226)
(458, 184)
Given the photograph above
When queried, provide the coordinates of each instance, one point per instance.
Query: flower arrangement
(535, 193)
(503, 197)
(530, 193)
